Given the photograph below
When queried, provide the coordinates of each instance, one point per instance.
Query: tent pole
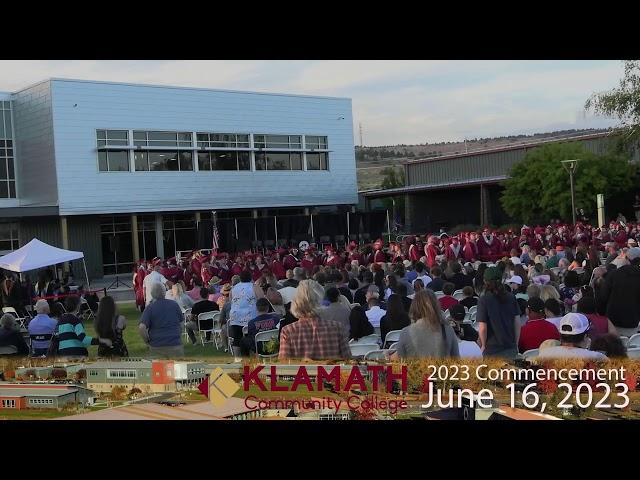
(84, 264)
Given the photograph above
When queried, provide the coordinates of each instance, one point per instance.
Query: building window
(117, 247)
(93, 373)
(121, 374)
(162, 139)
(178, 232)
(9, 237)
(147, 236)
(163, 160)
(280, 142)
(278, 161)
(7, 166)
(317, 161)
(6, 403)
(315, 143)
(224, 160)
(41, 401)
(113, 160)
(222, 140)
(108, 138)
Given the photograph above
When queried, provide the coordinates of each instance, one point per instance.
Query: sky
(396, 101)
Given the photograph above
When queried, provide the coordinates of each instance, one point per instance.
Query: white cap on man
(574, 324)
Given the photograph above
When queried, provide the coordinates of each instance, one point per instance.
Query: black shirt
(436, 284)
(361, 295)
(388, 324)
(204, 306)
(13, 338)
(290, 283)
(460, 280)
(469, 302)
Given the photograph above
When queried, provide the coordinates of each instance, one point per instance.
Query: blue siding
(35, 162)
(84, 190)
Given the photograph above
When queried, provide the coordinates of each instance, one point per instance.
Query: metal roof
(433, 186)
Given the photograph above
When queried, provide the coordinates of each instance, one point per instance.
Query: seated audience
(537, 329)
(41, 324)
(374, 312)
(10, 336)
(437, 282)
(402, 293)
(573, 340)
(610, 345)
(310, 337)
(263, 322)
(204, 305)
(553, 312)
(421, 275)
(600, 325)
(72, 339)
(458, 314)
(429, 335)
(395, 317)
(470, 299)
(447, 301)
(359, 325)
(176, 293)
(459, 279)
(336, 311)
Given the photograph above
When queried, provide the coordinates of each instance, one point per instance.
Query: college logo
(221, 387)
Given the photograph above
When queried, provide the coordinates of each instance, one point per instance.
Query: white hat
(573, 324)
(515, 260)
(517, 279)
(406, 263)
(633, 253)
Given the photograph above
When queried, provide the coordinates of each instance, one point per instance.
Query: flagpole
(215, 228)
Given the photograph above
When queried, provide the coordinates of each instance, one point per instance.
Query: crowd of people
(563, 289)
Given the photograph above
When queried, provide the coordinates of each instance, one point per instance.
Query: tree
(538, 187)
(118, 393)
(622, 102)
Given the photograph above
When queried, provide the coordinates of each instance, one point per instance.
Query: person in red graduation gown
(470, 249)
(378, 254)
(308, 261)
(278, 268)
(454, 250)
(431, 251)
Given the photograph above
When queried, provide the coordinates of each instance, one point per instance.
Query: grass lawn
(137, 348)
(44, 414)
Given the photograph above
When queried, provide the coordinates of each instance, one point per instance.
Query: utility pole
(571, 166)
(361, 144)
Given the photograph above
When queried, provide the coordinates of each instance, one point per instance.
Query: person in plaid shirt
(310, 337)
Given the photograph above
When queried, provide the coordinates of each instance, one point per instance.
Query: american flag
(216, 238)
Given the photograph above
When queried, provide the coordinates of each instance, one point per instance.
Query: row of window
(41, 401)
(9, 236)
(121, 374)
(109, 138)
(227, 160)
(8, 403)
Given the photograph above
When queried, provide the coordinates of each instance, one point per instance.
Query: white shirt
(469, 349)
(426, 280)
(374, 314)
(153, 277)
(287, 294)
(570, 352)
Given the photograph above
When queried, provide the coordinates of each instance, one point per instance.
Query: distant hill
(370, 160)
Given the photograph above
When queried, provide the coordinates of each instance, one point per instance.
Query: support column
(409, 209)
(64, 232)
(159, 237)
(485, 206)
(198, 218)
(134, 238)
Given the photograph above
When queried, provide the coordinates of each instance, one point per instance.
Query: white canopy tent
(37, 254)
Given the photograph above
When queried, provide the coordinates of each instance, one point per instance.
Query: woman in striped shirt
(72, 339)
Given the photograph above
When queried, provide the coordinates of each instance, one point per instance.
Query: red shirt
(599, 325)
(534, 332)
(447, 302)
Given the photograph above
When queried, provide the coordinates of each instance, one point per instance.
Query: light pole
(571, 166)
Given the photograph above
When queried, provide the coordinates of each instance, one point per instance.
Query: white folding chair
(458, 295)
(377, 331)
(186, 313)
(625, 341)
(392, 337)
(634, 341)
(633, 352)
(217, 330)
(361, 349)
(530, 353)
(373, 338)
(19, 319)
(439, 294)
(264, 337)
(203, 331)
(393, 347)
(376, 355)
(88, 313)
